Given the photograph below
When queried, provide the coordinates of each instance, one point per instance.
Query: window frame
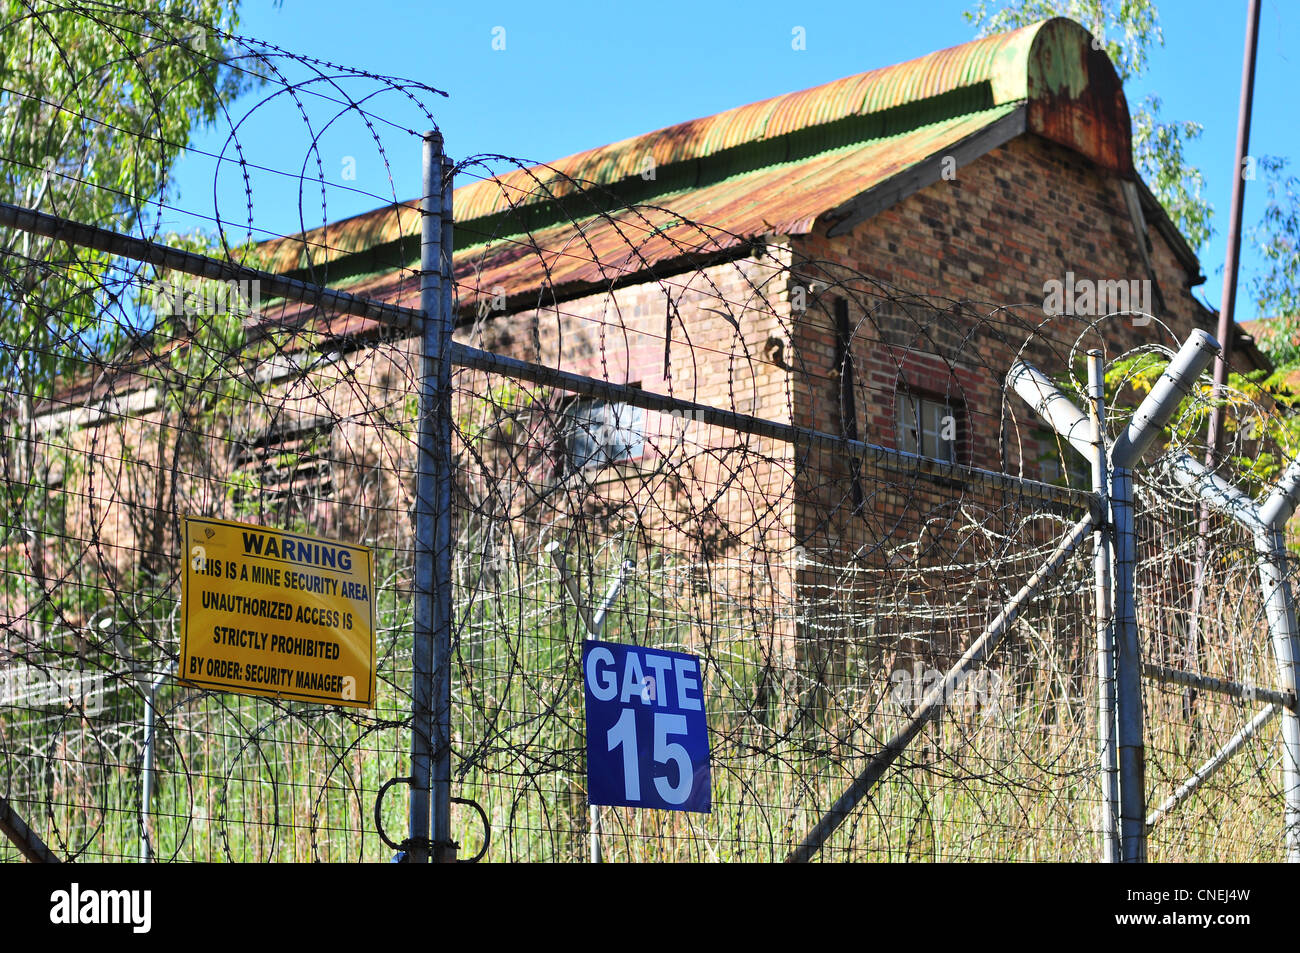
(913, 439)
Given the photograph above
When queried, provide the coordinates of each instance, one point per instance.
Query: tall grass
(250, 780)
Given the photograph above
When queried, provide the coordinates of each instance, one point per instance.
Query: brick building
(980, 173)
(754, 258)
(865, 258)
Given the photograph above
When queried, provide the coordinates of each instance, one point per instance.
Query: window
(600, 432)
(926, 427)
(287, 465)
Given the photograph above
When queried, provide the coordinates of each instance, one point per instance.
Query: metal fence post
(1128, 672)
(444, 848)
(151, 689)
(1279, 596)
(1148, 420)
(1085, 432)
(427, 506)
(1266, 522)
(1110, 852)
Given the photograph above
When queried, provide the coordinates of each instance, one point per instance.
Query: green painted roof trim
(673, 180)
(1072, 92)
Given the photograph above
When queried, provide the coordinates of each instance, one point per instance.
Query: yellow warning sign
(268, 612)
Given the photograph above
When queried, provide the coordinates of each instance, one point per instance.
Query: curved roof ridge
(1069, 87)
(991, 59)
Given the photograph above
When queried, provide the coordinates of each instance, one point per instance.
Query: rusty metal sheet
(1073, 94)
(786, 198)
(866, 93)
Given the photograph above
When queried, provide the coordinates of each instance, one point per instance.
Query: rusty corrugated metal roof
(768, 167)
(785, 198)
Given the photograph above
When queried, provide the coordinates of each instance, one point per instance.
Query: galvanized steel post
(1280, 609)
(1086, 434)
(432, 591)
(1274, 571)
(1128, 671)
(444, 848)
(146, 771)
(1266, 523)
(1110, 851)
(1148, 420)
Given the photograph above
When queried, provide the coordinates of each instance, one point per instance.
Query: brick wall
(1026, 213)
(756, 336)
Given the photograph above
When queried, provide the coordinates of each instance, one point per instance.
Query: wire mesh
(138, 394)
(1202, 611)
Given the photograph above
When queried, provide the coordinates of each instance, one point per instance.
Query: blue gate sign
(647, 734)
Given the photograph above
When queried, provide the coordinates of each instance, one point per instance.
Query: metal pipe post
(1159, 406)
(1036, 390)
(1281, 504)
(444, 848)
(1110, 852)
(1148, 420)
(1227, 308)
(1085, 433)
(1216, 493)
(174, 259)
(1280, 608)
(1227, 316)
(146, 770)
(419, 844)
(1150, 417)
(1279, 604)
(1128, 673)
(1267, 524)
(611, 594)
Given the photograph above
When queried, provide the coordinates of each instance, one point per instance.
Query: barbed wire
(860, 500)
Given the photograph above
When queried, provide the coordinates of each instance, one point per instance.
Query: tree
(1127, 29)
(1277, 290)
(97, 104)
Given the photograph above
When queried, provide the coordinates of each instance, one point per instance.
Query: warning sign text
(268, 612)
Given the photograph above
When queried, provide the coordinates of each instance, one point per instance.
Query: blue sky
(576, 76)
